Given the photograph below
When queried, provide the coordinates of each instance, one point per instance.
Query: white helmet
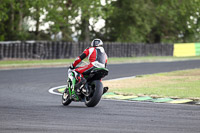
(96, 43)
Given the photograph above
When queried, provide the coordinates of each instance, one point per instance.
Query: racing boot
(84, 89)
(80, 84)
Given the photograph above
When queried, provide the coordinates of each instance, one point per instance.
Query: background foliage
(137, 21)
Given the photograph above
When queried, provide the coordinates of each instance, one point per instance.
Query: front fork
(71, 88)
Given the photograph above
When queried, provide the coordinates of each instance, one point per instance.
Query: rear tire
(65, 99)
(95, 97)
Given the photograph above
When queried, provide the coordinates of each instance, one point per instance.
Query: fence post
(1, 51)
(10, 50)
(64, 50)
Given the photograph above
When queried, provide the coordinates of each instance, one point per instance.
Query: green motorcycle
(93, 88)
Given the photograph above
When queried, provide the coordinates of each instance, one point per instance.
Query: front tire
(95, 97)
(66, 99)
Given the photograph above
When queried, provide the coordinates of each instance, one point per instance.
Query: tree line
(136, 21)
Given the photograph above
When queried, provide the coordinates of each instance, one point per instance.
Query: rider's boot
(84, 88)
(80, 84)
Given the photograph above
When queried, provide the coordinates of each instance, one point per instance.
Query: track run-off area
(27, 106)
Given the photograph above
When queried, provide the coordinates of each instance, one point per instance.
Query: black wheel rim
(91, 93)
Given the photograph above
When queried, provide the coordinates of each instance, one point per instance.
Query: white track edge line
(51, 90)
(121, 78)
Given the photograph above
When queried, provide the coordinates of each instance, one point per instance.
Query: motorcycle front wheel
(96, 89)
(66, 99)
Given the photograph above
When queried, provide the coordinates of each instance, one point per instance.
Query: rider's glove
(71, 66)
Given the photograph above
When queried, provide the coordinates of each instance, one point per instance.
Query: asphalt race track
(27, 107)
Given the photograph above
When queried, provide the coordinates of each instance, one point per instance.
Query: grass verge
(34, 63)
(177, 84)
(17, 63)
(149, 59)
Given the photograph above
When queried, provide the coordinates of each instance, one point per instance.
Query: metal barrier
(60, 50)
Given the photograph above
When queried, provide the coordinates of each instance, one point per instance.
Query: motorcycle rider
(97, 58)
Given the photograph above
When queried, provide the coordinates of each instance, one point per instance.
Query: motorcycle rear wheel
(95, 96)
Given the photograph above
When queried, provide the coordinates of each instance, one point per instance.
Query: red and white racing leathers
(96, 56)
